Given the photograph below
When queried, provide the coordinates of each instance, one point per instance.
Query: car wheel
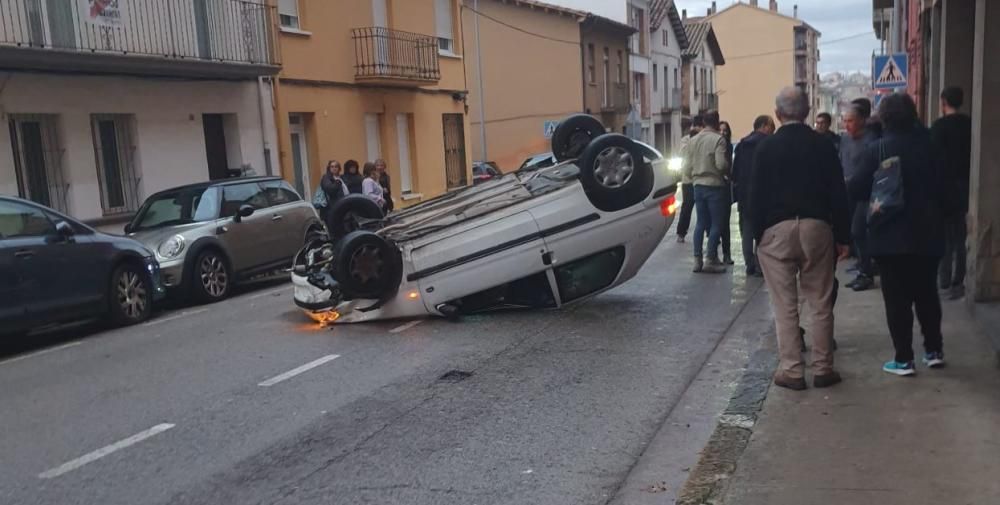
(345, 214)
(614, 173)
(211, 279)
(367, 266)
(130, 296)
(573, 134)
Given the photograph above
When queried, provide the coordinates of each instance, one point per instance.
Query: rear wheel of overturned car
(573, 134)
(130, 299)
(350, 213)
(614, 173)
(367, 266)
(211, 279)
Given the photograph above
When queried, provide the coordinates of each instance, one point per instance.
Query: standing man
(952, 135)
(823, 123)
(763, 126)
(853, 149)
(687, 189)
(798, 205)
(707, 165)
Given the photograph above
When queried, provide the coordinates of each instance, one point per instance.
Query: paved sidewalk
(877, 438)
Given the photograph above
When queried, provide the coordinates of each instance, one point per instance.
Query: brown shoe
(825, 381)
(793, 384)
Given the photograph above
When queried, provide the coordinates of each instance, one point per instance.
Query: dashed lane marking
(296, 371)
(104, 451)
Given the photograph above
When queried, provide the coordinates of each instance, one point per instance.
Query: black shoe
(728, 260)
(863, 283)
(825, 381)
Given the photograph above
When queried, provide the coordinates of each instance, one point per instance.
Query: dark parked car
(538, 161)
(54, 269)
(485, 171)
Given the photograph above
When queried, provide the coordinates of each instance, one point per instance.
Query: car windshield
(182, 206)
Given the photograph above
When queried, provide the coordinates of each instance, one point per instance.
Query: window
(18, 220)
(182, 206)
(677, 83)
(607, 77)
(589, 275)
(403, 138)
(37, 157)
(288, 13)
(116, 170)
(445, 26)
(372, 136)
(621, 68)
(637, 87)
(666, 38)
(279, 193)
(656, 78)
(237, 195)
(591, 71)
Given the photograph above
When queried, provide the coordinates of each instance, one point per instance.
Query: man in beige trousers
(798, 207)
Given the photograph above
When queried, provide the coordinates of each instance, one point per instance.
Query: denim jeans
(710, 202)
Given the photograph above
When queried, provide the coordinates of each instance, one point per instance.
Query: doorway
(300, 154)
(215, 146)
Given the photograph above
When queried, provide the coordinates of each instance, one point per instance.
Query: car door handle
(276, 217)
(24, 254)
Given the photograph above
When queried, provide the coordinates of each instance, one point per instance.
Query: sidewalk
(877, 438)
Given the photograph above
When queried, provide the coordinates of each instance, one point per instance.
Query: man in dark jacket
(952, 136)
(742, 170)
(824, 121)
(798, 206)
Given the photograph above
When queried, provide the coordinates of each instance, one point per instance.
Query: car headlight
(172, 247)
(675, 164)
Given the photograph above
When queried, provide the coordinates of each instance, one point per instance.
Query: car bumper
(172, 272)
(317, 302)
(156, 278)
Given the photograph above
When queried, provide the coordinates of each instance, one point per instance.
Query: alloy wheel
(214, 277)
(614, 167)
(367, 264)
(132, 295)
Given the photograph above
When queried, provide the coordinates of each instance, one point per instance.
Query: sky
(835, 19)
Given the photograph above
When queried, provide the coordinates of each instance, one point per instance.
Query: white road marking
(270, 293)
(296, 371)
(175, 317)
(407, 326)
(104, 451)
(39, 353)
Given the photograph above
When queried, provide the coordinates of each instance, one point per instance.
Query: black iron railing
(229, 31)
(385, 53)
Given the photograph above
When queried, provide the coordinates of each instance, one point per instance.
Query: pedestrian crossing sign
(889, 71)
(549, 128)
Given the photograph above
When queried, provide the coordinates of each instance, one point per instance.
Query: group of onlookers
(889, 191)
(338, 182)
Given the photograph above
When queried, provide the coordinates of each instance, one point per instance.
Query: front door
(300, 155)
(215, 146)
(454, 151)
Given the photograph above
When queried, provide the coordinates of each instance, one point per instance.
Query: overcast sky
(835, 19)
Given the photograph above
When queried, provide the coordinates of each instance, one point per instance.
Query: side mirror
(246, 210)
(128, 228)
(64, 229)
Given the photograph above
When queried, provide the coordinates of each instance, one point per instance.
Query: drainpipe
(482, 95)
(263, 130)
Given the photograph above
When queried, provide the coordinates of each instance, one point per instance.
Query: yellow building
(368, 79)
(765, 51)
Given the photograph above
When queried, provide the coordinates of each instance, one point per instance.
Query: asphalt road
(248, 402)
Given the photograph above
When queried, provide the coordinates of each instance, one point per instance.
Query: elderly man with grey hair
(798, 205)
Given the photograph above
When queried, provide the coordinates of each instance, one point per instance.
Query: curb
(732, 434)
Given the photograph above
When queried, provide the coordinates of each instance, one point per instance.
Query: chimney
(774, 6)
(684, 13)
(713, 7)
(796, 12)
(753, 3)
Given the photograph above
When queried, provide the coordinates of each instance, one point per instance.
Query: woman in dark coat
(352, 177)
(907, 244)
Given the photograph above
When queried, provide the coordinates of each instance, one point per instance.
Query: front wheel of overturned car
(367, 266)
(573, 134)
(614, 173)
(130, 299)
(211, 279)
(351, 213)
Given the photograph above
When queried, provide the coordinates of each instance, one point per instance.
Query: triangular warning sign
(891, 73)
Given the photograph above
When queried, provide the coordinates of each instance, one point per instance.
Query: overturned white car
(543, 238)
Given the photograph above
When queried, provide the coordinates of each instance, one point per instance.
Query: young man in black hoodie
(742, 165)
(952, 135)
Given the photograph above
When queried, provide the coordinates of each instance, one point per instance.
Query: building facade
(699, 75)
(778, 50)
(669, 40)
(641, 63)
(104, 108)
(605, 52)
(370, 79)
(516, 44)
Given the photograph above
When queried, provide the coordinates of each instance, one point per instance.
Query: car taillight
(668, 206)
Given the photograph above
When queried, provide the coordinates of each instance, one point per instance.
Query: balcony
(395, 58)
(616, 100)
(232, 39)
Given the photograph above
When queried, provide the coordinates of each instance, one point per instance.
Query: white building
(104, 109)
(669, 40)
(700, 85)
(641, 64)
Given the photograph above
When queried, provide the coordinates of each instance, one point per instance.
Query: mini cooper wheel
(367, 266)
(347, 213)
(573, 134)
(130, 296)
(211, 279)
(614, 173)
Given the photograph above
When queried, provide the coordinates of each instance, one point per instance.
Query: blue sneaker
(897, 368)
(934, 359)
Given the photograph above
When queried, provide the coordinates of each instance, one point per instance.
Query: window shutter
(442, 11)
(288, 7)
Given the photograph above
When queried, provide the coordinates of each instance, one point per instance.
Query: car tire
(573, 134)
(130, 295)
(614, 174)
(367, 266)
(343, 214)
(211, 277)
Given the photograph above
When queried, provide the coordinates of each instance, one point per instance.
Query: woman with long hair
(352, 177)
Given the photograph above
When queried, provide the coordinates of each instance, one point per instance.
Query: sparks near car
(535, 239)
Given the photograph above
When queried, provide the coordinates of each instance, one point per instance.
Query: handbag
(319, 198)
(887, 199)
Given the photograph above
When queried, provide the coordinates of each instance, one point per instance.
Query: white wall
(170, 143)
